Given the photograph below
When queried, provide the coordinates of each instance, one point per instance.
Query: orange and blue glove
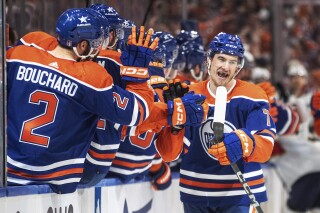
(137, 56)
(175, 89)
(161, 179)
(157, 79)
(187, 110)
(237, 144)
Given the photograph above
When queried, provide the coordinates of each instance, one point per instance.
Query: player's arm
(160, 174)
(285, 117)
(133, 105)
(170, 146)
(254, 143)
(262, 133)
(190, 110)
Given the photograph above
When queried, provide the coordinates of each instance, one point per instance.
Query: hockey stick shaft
(218, 129)
(246, 187)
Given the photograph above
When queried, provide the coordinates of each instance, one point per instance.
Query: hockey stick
(218, 126)
(147, 12)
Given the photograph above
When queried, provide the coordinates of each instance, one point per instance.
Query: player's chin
(221, 81)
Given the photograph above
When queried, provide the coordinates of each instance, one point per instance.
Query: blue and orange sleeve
(169, 145)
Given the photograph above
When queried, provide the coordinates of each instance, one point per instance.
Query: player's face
(223, 69)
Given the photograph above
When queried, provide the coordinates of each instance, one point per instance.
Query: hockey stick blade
(218, 129)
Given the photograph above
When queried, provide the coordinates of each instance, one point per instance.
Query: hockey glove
(271, 92)
(269, 89)
(156, 68)
(161, 179)
(157, 79)
(237, 144)
(274, 112)
(315, 105)
(137, 56)
(175, 89)
(186, 110)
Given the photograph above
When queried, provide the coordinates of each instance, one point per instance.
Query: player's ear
(82, 46)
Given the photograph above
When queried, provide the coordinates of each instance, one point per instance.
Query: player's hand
(161, 179)
(269, 89)
(274, 112)
(139, 50)
(137, 56)
(187, 110)
(157, 79)
(315, 105)
(237, 144)
(175, 89)
(271, 92)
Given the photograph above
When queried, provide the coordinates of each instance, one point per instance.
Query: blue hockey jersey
(202, 179)
(53, 110)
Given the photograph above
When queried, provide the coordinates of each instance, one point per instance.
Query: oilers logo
(206, 133)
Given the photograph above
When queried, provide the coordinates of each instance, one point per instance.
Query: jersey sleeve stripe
(101, 156)
(45, 168)
(143, 103)
(104, 147)
(129, 172)
(106, 163)
(47, 176)
(129, 164)
(134, 157)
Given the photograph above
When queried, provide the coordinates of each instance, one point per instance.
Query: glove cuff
(247, 141)
(156, 71)
(158, 81)
(135, 74)
(161, 179)
(179, 112)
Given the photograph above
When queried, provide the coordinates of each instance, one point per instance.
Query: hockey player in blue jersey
(207, 181)
(51, 91)
(137, 156)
